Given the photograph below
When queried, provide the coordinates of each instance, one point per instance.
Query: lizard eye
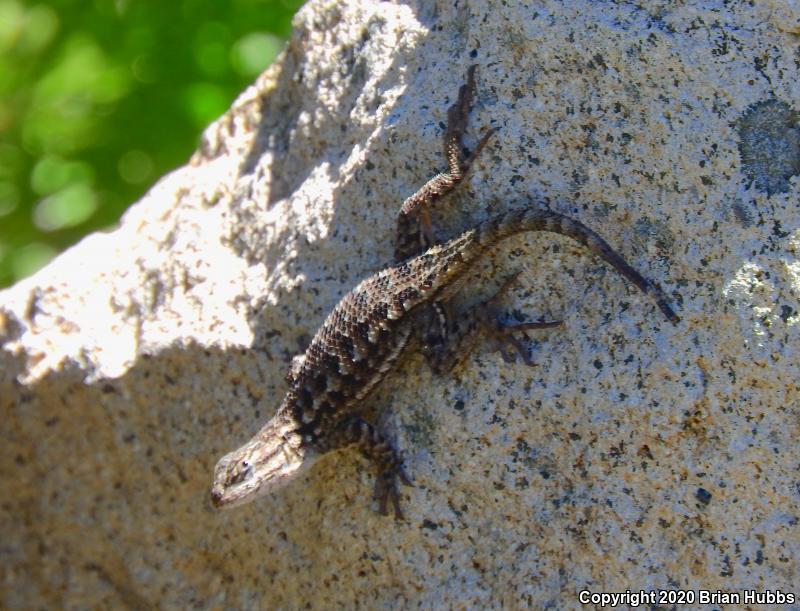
(242, 472)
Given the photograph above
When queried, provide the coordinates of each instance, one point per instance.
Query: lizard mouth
(268, 461)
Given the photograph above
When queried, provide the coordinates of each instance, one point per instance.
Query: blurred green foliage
(99, 98)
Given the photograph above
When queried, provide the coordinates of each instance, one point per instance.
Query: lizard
(367, 332)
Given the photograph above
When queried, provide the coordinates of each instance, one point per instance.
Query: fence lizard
(366, 333)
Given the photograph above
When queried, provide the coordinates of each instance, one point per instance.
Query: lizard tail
(534, 219)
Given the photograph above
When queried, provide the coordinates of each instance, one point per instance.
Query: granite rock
(636, 455)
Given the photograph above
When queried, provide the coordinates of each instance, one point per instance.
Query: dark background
(100, 98)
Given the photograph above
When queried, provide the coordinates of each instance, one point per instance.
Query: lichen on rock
(769, 142)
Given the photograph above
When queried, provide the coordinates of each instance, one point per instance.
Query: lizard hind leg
(415, 232)
(457, 120)
(483, 319)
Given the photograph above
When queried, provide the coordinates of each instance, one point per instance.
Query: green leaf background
(99, 98)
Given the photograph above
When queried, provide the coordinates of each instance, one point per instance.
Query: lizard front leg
(414, 228)
(354, 430)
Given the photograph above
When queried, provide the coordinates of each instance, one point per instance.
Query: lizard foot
(505, 340)
(357, 431)
(386, 488)
(504, 337)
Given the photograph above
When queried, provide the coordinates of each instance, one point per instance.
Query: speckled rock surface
(636, 455)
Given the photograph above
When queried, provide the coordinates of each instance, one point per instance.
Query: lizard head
(269, 460)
